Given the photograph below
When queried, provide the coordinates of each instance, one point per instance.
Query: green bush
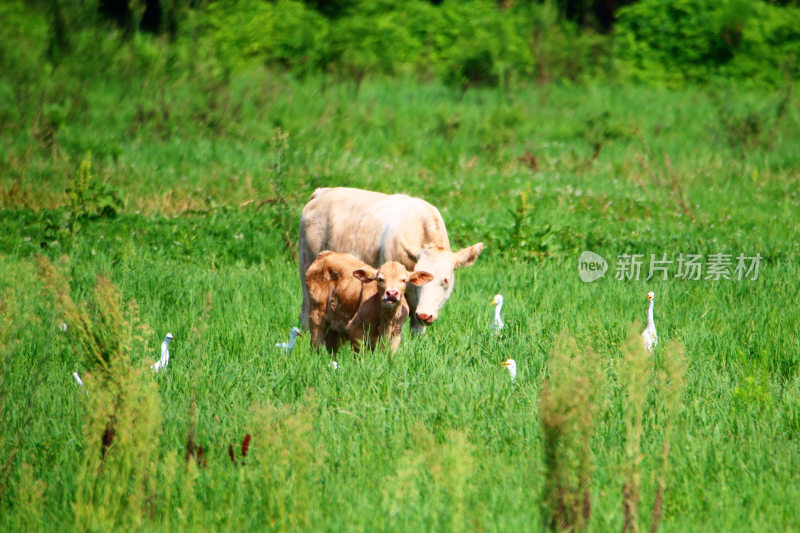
(465, 43)
(461, 43)
(284, 33)
(378, 39)
(673, 42)
(481, 44)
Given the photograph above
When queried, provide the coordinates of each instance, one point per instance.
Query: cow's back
(368, 225)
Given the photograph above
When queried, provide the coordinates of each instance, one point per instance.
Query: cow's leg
(355, 334)
(394, 341)
(305, 261)
(355, 344)
(317, 329)
(333, 341)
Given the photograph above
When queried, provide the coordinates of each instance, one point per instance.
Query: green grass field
(436, 437)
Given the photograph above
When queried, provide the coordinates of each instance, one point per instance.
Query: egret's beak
(492, 302)
(505, 363)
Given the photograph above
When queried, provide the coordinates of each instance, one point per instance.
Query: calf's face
(392, 279)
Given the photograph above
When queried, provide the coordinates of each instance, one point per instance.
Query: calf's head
(392, 278)
(442, 264)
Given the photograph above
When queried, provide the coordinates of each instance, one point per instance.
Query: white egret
(290, 346)
(649, 335)
(511, 365)
(334, 365)
(164, 361)
(498, 322)
(77, 378)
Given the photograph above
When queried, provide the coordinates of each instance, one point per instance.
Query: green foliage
(433, 479)
(526, 239)
(215, 162)
(643, 383)
(674, 42)
(30, 498)
(284, 215)
(569, 407)
(753, 125)
(284, 33)
(752, 392)
(80, 187)
(288, 463)
(463, 43)
(102, 330)
(482, 45)
(90, 198)
(116, 481)
(381, 39)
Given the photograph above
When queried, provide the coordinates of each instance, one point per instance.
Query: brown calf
(350, 300)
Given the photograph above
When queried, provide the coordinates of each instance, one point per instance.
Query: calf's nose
(425, 318)
(393, 293)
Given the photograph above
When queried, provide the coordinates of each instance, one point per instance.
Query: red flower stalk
(200, 460)
(191, 447)
(245, 445)
(107, 438)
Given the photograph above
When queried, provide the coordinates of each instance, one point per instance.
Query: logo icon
(591, 266)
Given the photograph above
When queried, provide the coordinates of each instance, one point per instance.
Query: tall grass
(569, 408)
(435, 437)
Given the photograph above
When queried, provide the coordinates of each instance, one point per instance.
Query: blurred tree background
(165, 64)
(173, 143)
(463, 43)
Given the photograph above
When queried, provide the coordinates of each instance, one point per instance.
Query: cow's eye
(445, 282)
(404, 280)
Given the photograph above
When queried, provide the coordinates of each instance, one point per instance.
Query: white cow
(377, 228)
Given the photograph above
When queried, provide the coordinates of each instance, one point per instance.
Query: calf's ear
(420, 277)
(365, 275)
(466, 256)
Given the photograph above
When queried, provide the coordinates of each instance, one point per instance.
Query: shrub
(482, 44)
(462, 43)
(643, 382)
(116, 482)
(284, 33)
(378, 39)
(569, 404)
(676, 41)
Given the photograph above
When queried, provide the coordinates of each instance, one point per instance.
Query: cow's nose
(424, 317)
(394, 294)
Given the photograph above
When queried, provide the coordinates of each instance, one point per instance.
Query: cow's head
(392, 278)
(442, 264)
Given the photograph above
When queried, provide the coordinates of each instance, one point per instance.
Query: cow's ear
(420, 277)
(466, 256)
(365, 275)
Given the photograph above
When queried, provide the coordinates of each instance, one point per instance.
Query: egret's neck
(497, 311)
(650, 314)
(292, 337)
